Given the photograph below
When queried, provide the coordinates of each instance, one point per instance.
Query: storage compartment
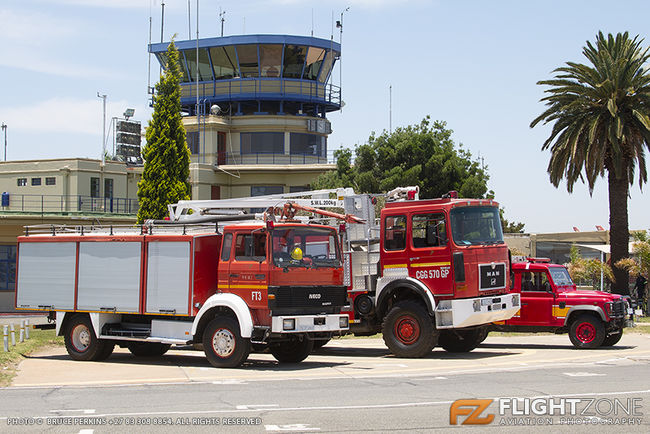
(168, 277)
(46, 274)
(109, 276)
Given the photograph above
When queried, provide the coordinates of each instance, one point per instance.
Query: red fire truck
(275, 285)
(432, 272)
(551, 302)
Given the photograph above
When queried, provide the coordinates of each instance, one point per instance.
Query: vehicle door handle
(234, 275)
(414, 259)
(524, 304)
(260, 276)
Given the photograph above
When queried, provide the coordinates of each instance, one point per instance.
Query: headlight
(343, 322)
(288, 324)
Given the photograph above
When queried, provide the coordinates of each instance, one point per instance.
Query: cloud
(33, 29)
(66, 115)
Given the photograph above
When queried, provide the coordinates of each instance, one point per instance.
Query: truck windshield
(560, 276)
(305, 247)
(476, 225)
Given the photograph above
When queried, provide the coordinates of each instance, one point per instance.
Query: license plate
(497, 307)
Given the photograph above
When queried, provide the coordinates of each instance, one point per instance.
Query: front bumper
(469, 312)
(310, 323)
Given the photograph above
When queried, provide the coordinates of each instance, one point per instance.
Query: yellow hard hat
(296, 253)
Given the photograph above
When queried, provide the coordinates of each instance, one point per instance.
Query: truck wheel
(147, 349)
(106, 351)
(460, 341)
(294, 351)
(612, 339)
(408, 330)
(587, 331)
(80, 340)
(223, 345)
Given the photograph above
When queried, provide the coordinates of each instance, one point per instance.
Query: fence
(68, 203)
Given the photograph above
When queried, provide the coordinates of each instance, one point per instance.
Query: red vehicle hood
(588, 294)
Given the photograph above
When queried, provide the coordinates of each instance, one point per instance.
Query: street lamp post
(4, 128)
(103, 97)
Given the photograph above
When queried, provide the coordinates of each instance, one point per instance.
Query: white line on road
(256, 406)
(583, 374)
(293, 427)
(83, 410)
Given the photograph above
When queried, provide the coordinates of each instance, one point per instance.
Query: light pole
(4, 128)
(103, 97)
(339, 24)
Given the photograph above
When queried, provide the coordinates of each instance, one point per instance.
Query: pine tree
(167, 157)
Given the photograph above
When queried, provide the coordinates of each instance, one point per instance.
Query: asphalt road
(351, 385)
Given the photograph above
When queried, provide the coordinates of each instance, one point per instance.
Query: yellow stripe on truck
(431, 264)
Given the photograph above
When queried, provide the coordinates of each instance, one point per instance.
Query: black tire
(109, 346)
(148, 349)
(586, 332)
(484, 334)
(612, 340)
(223, 345)
(320, 343)
(408, 330)
(80, 340)
(460, 341)
(293, 351)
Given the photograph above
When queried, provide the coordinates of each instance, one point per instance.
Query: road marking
(230, 381)
(83, 410)
(390, 365)
(292, 427)
(256, 406)
(583, 374)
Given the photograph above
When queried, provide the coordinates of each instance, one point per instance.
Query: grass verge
(38, 339)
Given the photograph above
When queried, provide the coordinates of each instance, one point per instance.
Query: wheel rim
(407, 330)
(223, 343)
(586, 332)
(81, 337)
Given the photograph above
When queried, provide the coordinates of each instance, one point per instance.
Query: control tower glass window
(248, 60)
(270, 60)
(314, 59)
(327, 67)
(224, 62)
(162, 58)
(205, 71)
(294, 61)
(262, 143)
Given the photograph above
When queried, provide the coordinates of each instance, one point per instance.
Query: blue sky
(472, 64)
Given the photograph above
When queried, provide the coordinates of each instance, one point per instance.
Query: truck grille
(618, 308)
(307, 299)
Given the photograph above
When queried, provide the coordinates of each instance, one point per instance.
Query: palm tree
(601, 124)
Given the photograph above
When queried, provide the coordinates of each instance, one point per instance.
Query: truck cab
(551, 302)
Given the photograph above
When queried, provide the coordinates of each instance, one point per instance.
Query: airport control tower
(255, 111)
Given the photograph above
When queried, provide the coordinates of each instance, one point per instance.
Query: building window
(298, 188)
(94, 187)
(36, 181)
(108, 188)
(294, 61)
(7, 267)
(263, 190)
(50, 180)
(192, 139)
(262, 143)
(308, 144)
(248, 65)
(21, 182)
